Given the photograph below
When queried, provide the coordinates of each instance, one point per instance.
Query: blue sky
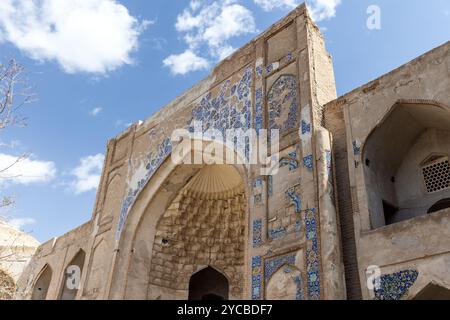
(126, 59)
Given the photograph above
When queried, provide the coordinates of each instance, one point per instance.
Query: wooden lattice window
(436, 173)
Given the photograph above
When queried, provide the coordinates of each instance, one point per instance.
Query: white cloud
(319, 9)
(323, 9)
(207, 27)
(19, 223)
(269, 5)
(94, 36)
(185, 62)
(25, 170)
(87, 174)
(96, 111)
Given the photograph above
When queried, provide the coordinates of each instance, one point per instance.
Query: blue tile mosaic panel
(270, 185)
(259, 111)
(290, 161)
(395, 286)
(312, 255)
(306, 127)
(274, 264)
(257, 278)
(154, 161)
(295, 198)
(308, 162)
(299, 293)
(230, 109)
(282, 104)
(277, 233)
(257, 232)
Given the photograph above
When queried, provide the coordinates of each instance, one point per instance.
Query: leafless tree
(15, 93)
(8, 252)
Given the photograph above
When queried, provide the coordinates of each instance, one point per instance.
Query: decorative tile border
(257, 232)
(154, 161)
(259, 96)
(257, 191)
(257, 278)
(277, 233)
(306, 127)
(396, 285)
(312, 255)
(259, 112)
(270, 185)
(308, 162)
(272, 265)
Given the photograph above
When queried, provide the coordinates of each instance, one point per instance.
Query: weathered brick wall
(334, 121)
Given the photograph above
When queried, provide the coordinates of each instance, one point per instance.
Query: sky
(98, 66)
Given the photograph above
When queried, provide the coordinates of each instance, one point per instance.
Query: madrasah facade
(361, 193)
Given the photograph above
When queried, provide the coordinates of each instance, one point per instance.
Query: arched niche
(282, 101)
(136, 241)
(395, 156)
(98, 271)
(208, 284)
(72, 277)
(285, 284)
(42, 284)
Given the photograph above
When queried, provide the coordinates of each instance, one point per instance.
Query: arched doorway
(42, 284)
(208, 284)
(204, 225)
(197, 217)
(72, 277)
(137, 274)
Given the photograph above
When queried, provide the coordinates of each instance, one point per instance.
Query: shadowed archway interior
(208, 284)
(42, 284)
(203, 226)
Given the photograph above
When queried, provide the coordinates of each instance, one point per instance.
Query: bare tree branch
(15, 93)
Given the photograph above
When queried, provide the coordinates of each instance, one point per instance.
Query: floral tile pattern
(154, 161)
(290, 161)
(295, 198)
(282, 102)
(395, 286)
(257, 278)
(308, 162)
(312, 255)
(257, 232)
(277, 233)
(230, 109)
(273, 265)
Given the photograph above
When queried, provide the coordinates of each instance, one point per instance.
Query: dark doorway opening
(389, 213)
(433, 291)
(208, 284)
(440, 205)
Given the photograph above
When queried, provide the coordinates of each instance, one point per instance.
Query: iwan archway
(187, 218)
